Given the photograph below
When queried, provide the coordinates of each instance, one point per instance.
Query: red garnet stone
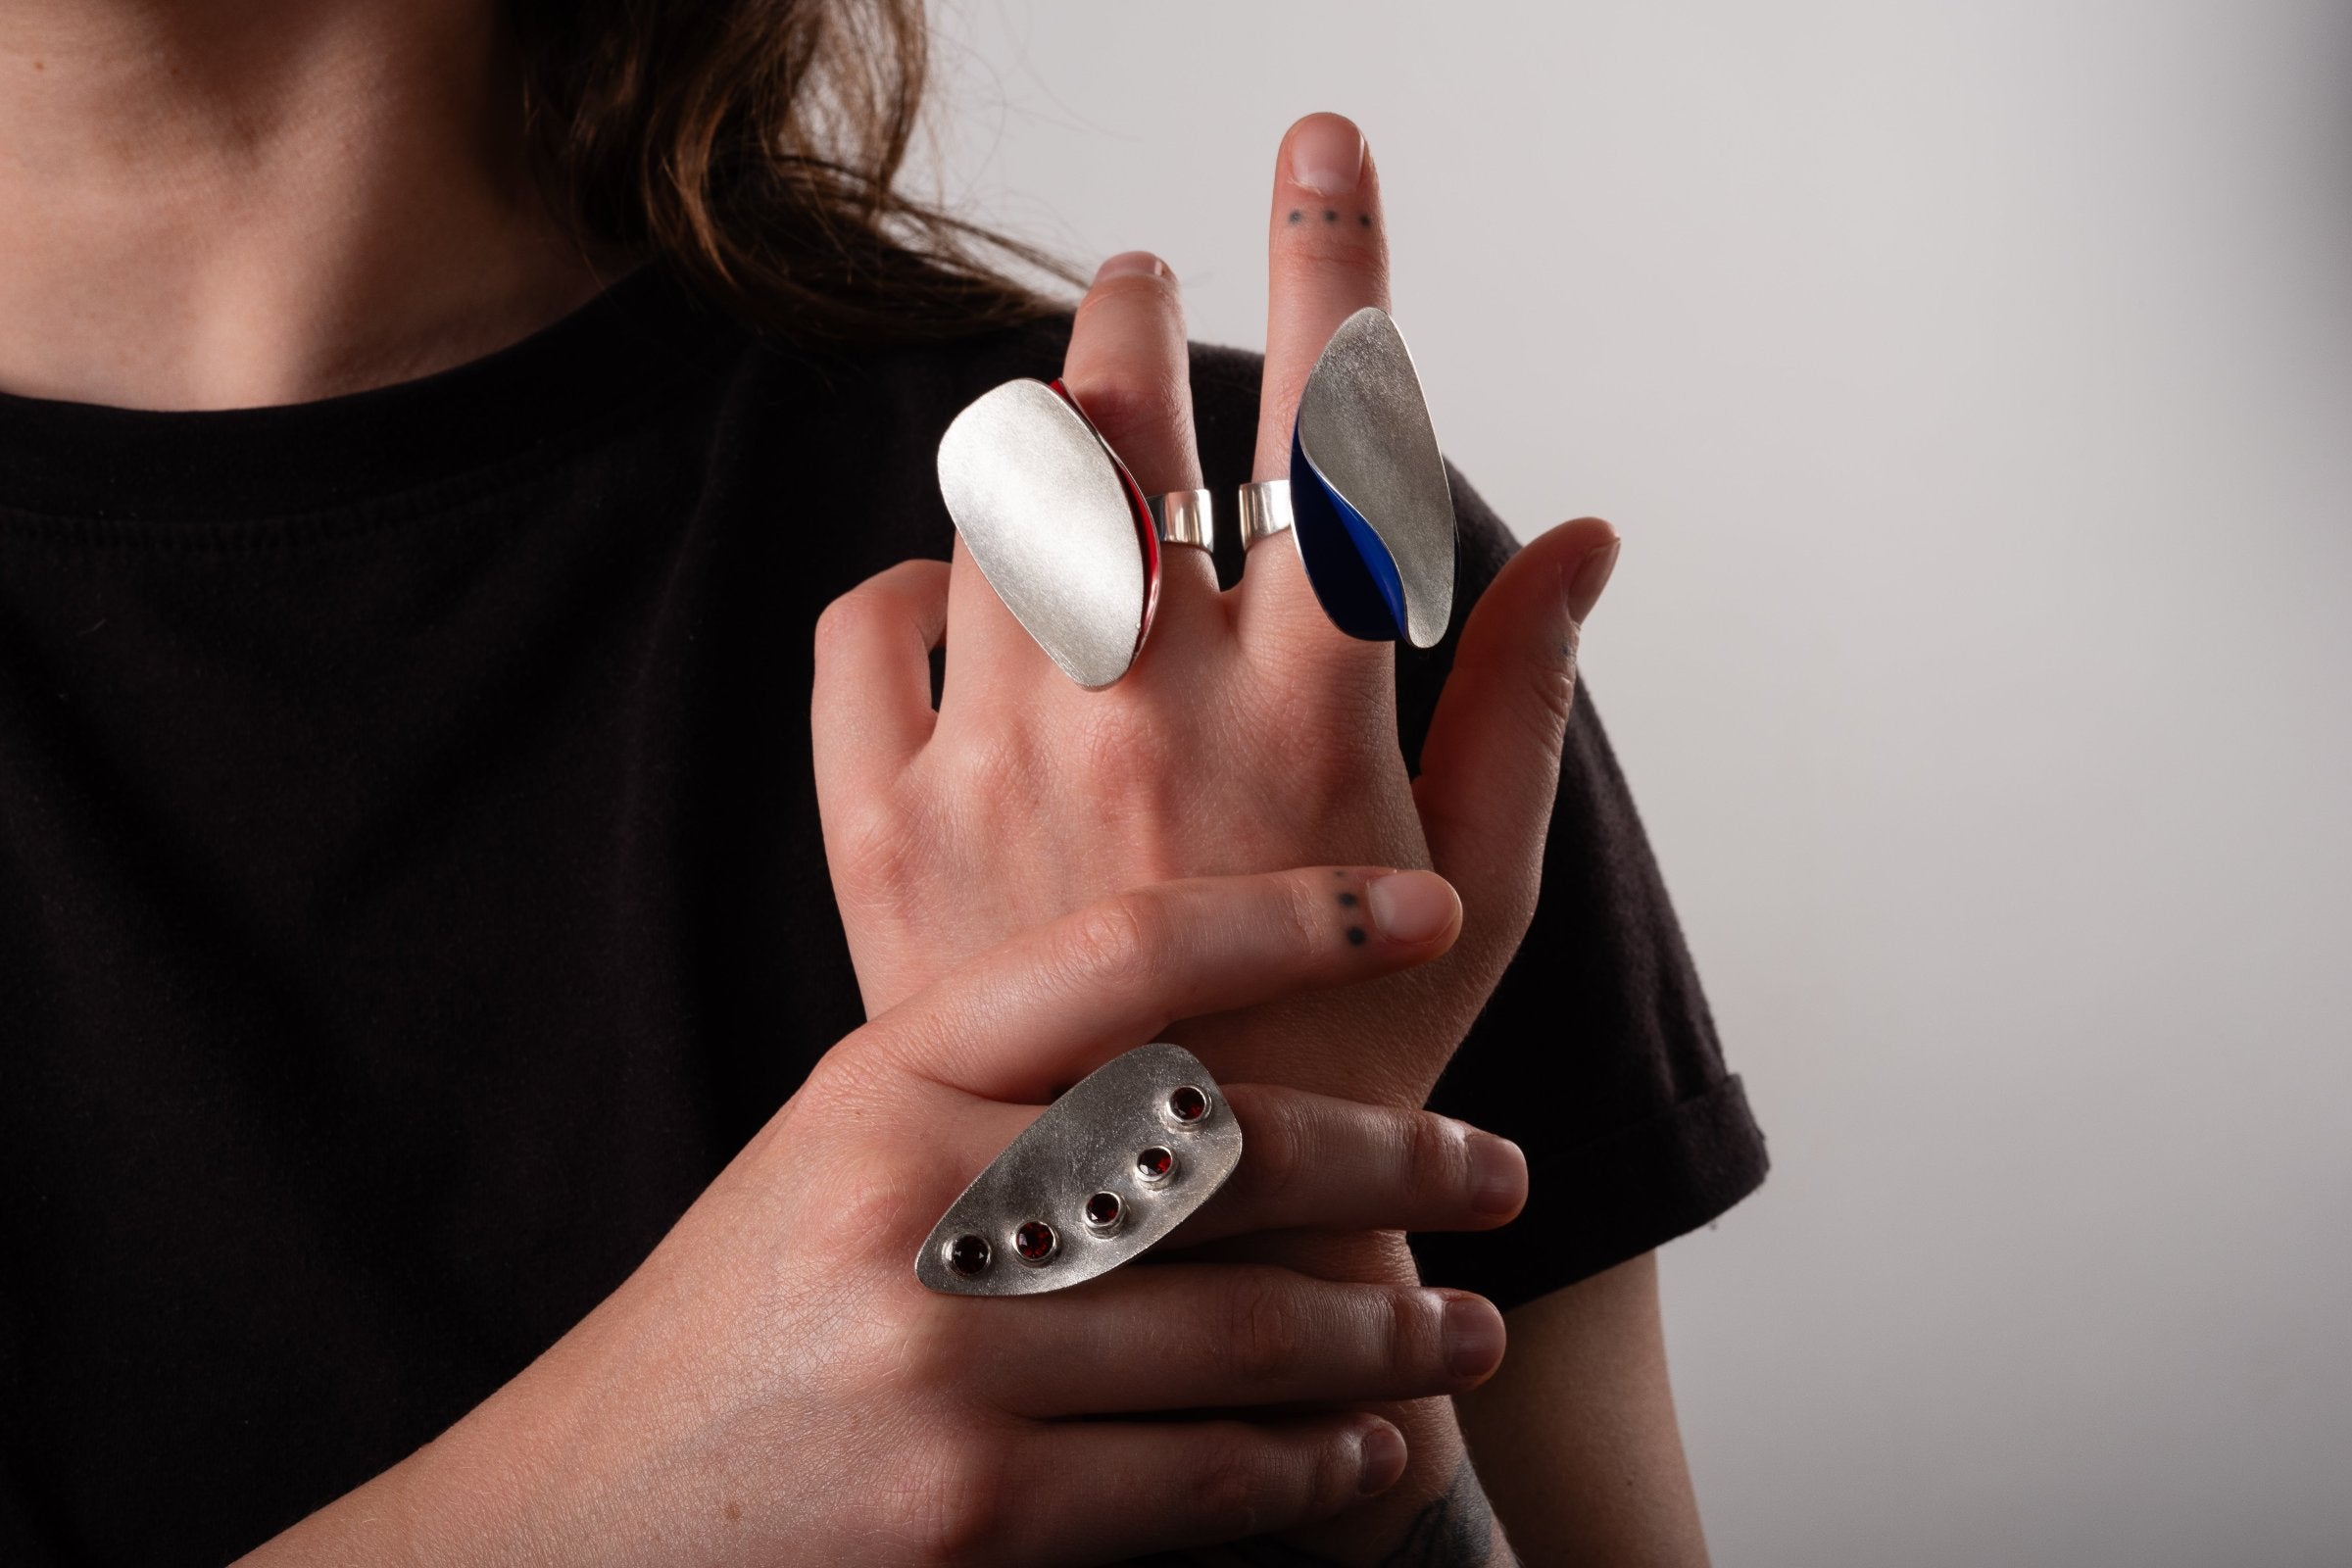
(1188, 1104)
(1103, 1210)
(1153, 1164)
(968, 1254)
(1034, 1240)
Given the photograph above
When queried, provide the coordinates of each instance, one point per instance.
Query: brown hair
(753, 147)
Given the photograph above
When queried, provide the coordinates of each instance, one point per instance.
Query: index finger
(1056, 1001)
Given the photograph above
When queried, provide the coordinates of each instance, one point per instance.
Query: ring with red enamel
(1105, 1172)
(1059, 527)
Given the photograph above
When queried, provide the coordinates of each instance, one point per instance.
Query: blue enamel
(1350, 571)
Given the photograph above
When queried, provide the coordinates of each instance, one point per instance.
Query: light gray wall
(1973, 384)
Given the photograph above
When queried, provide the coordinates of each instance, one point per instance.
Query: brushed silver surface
(1043, 509)
(1365, 427)
(1264, 511)
(1185, 518)
(1086, 1142)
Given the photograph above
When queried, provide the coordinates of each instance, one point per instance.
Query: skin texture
(759, 1393)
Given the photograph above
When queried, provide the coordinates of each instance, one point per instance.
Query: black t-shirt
(410, 893)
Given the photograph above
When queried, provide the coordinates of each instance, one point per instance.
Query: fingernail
(1131, 264)
(1327, 155)
(1382, 1456)
(1473, 1337)
(1591, 576)
(1412, 905)
(1498, 1175)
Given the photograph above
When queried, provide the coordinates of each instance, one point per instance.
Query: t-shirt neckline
(90, 461)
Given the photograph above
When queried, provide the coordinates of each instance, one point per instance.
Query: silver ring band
(1185, 517)
(1265, 510)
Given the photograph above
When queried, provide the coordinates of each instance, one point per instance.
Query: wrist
(469, 1499)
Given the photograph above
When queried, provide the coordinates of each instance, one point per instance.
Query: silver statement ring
(1185, 517)
(1107, 1170)
(1265, 510)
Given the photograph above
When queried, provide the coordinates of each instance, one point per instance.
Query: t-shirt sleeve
(1596, 1053)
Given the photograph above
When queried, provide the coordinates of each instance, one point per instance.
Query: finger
(1310, 1162)
(1130, 369)
(1212, 1336)
(1315, 1162)
(1147, 1487)
(1327, 258)
(869, 708)
(1053, 1003)
(1490, 764)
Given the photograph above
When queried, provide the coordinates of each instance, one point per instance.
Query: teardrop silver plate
(1044, 507)
(1364, 427)
(1086, 1143)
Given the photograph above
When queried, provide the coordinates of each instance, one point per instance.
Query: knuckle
(1152, 290)
(1330, 1479)
(1534, 688)
(933, 1350)
(844, 622)
(1435, 1155)
(876, 848)
(1316, 733)
(1281, 1136)
(1342, 237)
(1414, 1323)
(999, 761)
(876, 1197)
(1123, 405)
(1114, 746)
(850, 1081)
(1123, 940)
(1245, 1489)
(948, 1504)
(1551, 696)
(1265, 1328)
(1303, 913)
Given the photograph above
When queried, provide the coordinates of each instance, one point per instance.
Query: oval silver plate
(1045, 510)
(1364, 427)
(1082, 1144)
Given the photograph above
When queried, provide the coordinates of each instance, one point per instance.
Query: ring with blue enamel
(1369, 506)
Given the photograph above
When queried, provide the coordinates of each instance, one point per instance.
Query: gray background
(1973, 385)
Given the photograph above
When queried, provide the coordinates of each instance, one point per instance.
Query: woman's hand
(773, 1385)
(1250, 732)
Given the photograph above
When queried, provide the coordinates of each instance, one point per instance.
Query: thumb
(1491, 766)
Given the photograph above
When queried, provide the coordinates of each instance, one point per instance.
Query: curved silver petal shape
(1044, 508)
(1086, 1144)
(1364, 427)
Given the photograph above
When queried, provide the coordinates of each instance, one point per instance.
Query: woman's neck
(230, 202)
